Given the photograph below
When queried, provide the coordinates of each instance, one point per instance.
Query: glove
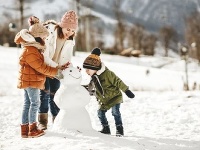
(91, 91)
(129, 94)
(59, 75)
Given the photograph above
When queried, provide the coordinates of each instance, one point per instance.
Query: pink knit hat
(69, 20)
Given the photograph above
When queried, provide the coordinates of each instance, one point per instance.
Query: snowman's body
(72, 99)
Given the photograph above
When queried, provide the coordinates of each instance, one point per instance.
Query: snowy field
(161, 117)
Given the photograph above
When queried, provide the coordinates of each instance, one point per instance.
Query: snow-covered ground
(161, 117)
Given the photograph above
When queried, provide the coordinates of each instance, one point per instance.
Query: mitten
(91, 92)
(90, 88)
(129, 94)
(59, 75)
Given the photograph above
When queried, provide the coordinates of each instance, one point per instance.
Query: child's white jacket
(66, 52)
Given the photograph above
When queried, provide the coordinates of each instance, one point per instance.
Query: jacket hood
(23, 36)
(25, 39)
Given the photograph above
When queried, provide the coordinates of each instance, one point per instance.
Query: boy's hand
(129, 94)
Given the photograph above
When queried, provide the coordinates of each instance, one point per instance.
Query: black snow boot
(119, 130)
(105, 129)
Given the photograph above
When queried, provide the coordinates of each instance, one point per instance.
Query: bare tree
(192, 33)
(136, 36)
(79, 36)
(7, 31)
(167, 33)
(21, 9)
(86, 37)
(6, 36)
(149, 44)
(120, 29)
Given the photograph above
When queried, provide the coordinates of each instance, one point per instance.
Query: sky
(161, 116)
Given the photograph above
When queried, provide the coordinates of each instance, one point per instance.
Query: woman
(59, 51)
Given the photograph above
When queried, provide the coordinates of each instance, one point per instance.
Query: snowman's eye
(70, 71)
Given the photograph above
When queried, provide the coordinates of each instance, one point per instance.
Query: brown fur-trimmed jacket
(33, 70)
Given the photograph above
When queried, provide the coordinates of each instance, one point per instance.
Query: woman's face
(68, 32)
(90, 72)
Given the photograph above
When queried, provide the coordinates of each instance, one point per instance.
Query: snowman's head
(72, 76)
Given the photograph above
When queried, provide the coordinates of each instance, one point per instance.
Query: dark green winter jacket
(108, 88)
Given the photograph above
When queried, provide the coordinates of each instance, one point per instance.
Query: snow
(161, 117)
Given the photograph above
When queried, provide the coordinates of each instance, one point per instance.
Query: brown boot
(24, 130)
(43, 120)
(34, 132)
(53, 118)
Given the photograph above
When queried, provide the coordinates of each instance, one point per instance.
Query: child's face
(43, 37)
(90, 72)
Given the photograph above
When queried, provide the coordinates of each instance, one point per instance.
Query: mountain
(44, 9)
(152, 14)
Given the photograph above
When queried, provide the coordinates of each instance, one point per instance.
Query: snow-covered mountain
(152, 14)
(44, 9)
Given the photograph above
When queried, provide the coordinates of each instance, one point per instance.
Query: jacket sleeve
(35, 60)
(48, 60)
(67, 52)
(50, 49)
(116, 81)
(18, 38)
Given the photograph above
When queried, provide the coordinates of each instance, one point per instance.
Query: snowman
(72, 99)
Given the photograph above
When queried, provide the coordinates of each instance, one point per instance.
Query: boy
(107, 90)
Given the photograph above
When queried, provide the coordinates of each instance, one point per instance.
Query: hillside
(151, 14)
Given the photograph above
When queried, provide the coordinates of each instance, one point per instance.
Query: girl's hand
(63, 67)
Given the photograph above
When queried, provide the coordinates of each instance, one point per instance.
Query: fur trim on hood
(25, 39)
(103, 68)
(26, 36)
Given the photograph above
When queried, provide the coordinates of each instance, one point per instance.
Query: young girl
(108, 90)
(59, 51)
(32, 73)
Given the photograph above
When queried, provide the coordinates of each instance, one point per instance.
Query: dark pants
(115, 112)
(47, 97)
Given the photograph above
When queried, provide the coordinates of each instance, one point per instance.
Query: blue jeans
(47, 97)
(31, 104)
(115, 112)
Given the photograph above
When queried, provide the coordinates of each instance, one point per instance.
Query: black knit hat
(93, 61)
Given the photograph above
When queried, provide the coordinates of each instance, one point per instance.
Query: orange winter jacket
(33, 70)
